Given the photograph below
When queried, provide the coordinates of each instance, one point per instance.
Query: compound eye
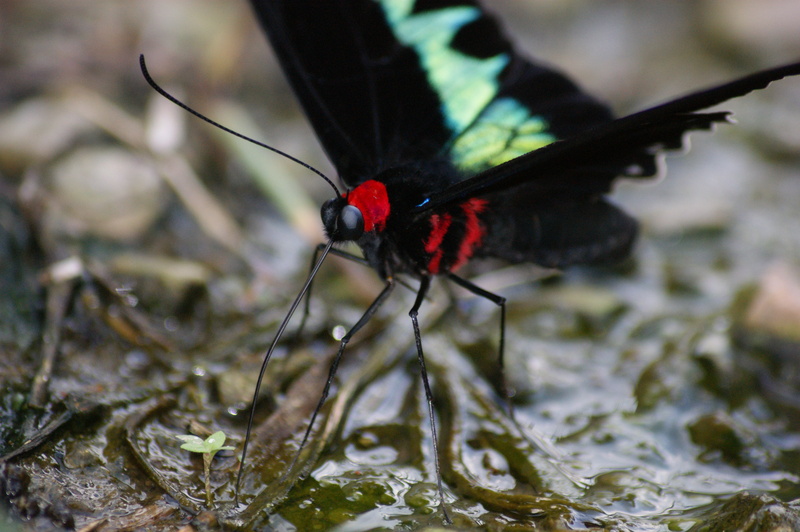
(329, 213)
(351, 223)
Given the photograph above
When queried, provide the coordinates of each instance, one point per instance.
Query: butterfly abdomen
(558, 232)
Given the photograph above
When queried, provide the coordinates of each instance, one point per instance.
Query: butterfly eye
(330, 212)
(350, 224)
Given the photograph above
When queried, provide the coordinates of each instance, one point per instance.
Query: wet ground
(147, 260)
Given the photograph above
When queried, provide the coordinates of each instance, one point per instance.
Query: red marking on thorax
(473, 231)
(470, 240)
(371, 199)
(440, 224)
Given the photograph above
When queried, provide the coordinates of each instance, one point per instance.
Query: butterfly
(452, 146)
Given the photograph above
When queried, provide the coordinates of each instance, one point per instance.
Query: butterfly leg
(345, 255)
(500, 301)
(307, 303)
(268, 357)
(423, 290)
(374, 306)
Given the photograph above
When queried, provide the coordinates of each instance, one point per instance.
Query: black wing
(386, 82)
(551, 210)
(630, 143)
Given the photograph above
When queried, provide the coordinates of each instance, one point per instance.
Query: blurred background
(147, 258)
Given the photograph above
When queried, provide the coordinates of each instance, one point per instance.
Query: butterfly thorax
(394, 239)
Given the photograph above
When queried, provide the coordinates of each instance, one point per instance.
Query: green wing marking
(487, 130)
(503, 131)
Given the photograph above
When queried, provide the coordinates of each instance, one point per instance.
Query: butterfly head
(361, 210)
(343, 222)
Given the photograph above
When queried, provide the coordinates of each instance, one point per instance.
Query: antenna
(185, 107)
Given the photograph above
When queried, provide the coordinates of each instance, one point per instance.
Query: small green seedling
(208, 447)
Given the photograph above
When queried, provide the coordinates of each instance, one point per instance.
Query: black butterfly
(452, 146)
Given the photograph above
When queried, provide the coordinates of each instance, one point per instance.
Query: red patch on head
(371, 199)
